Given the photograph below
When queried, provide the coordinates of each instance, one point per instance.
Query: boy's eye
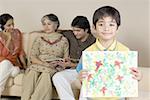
(111, 25)
(100, 24)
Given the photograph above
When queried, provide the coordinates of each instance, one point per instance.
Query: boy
(106, 21)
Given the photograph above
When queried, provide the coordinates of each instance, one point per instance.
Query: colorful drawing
(109, 74)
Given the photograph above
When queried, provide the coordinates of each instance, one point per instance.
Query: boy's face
(79, 33)
(106, 28)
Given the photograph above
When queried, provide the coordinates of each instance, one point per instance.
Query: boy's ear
(117, 29)
(86, 30)
(93, 29)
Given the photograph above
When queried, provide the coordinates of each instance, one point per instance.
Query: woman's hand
(7, 33)
(53, 63)
(64, 63)
(136, 73)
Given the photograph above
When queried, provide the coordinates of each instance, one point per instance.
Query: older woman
(47, 50)
(11, 52)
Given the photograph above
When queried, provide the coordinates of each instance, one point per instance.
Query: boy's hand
(136, 73)
(82, 75)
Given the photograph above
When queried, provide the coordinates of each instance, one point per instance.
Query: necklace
(51, 43)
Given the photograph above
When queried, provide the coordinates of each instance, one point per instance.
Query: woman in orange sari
(11, 52)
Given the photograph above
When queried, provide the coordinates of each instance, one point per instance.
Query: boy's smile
(104, 33)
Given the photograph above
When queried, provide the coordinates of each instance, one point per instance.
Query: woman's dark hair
(3, 20)
(81, 22)
(106, 11)
(53, 18)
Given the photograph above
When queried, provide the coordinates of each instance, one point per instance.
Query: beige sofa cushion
(25, 42)
(18, 79)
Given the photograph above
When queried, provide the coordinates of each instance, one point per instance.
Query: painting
(109, 74)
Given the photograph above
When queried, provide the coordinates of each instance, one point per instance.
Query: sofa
(14, 85)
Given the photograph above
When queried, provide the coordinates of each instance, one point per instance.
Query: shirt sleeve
(79, 66)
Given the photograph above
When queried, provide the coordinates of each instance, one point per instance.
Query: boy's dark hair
(3, 19)
(107, 11)
(81, 22)
(53, 18)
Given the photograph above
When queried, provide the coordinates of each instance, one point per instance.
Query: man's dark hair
(81, 22)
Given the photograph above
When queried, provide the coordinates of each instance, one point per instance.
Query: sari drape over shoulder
(14, 49)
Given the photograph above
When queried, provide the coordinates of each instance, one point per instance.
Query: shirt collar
(111, 48)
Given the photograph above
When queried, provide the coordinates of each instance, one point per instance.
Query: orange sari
(14, 49)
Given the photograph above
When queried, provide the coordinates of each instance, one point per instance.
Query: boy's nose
(106, 28)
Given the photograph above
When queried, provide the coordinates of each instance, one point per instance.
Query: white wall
(134, 31)
(149, 34)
